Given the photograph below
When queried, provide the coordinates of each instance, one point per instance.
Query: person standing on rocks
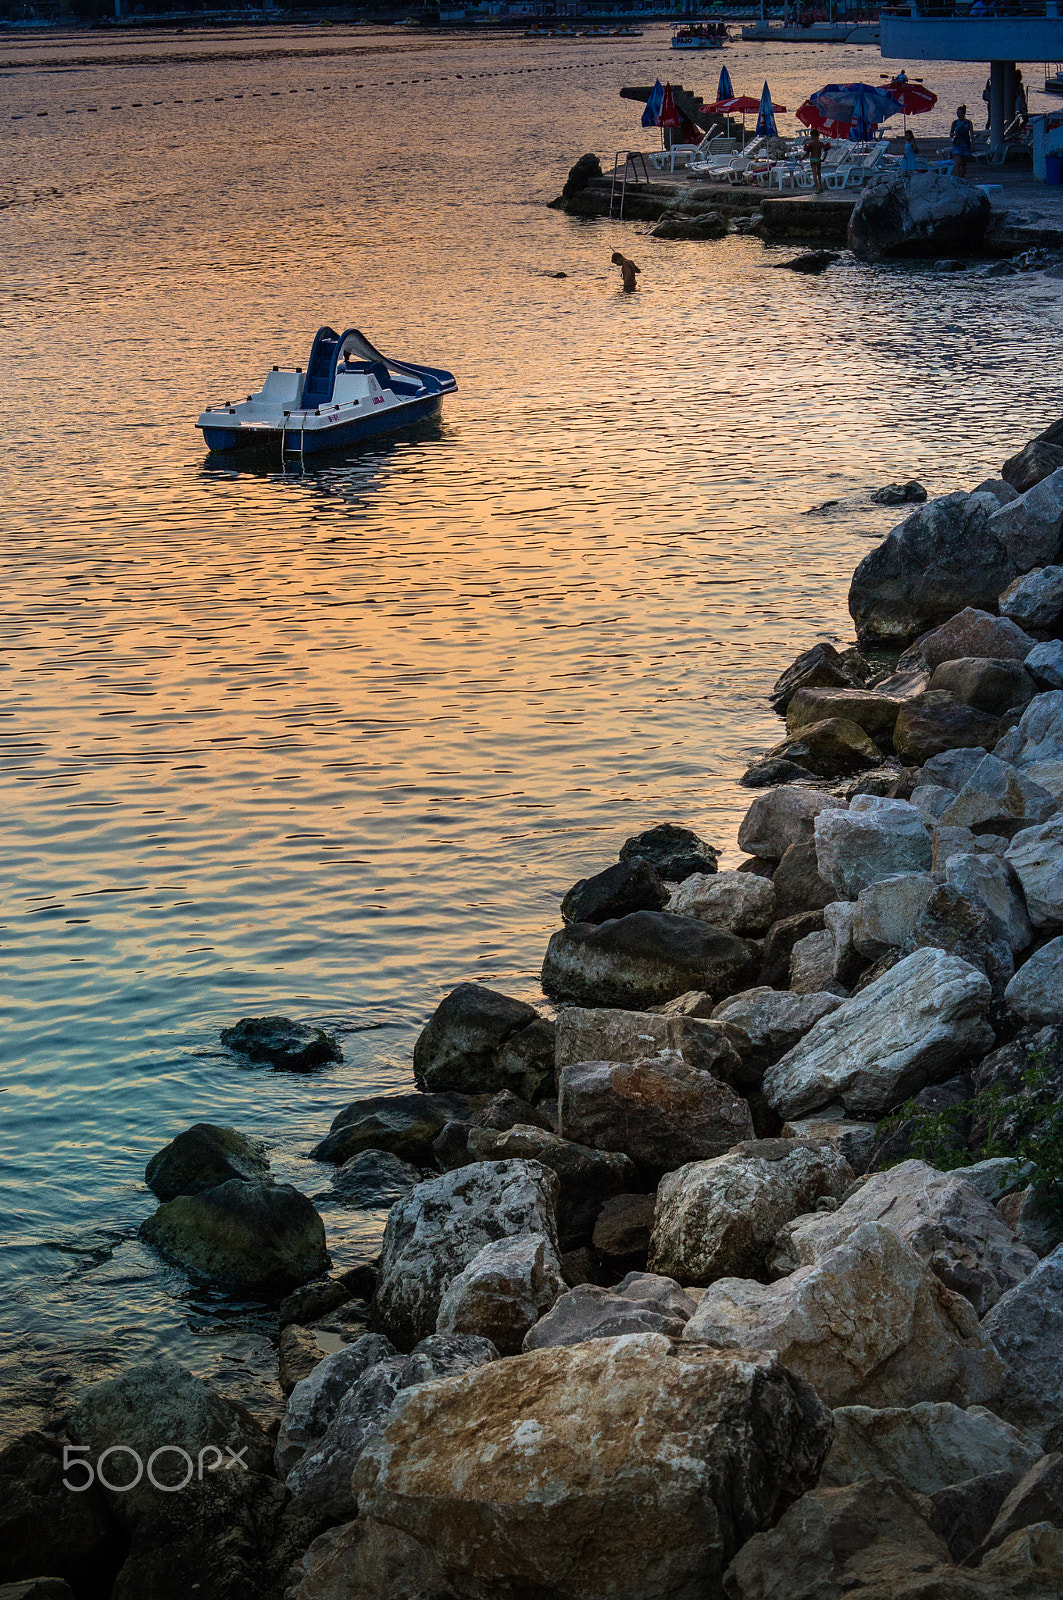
(961, 133)
(628, 271)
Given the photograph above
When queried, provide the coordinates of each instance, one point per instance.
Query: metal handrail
(631, 157)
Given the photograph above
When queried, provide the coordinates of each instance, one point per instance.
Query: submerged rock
(374, 1178)
(203, 1157)
(404, 1124)
(626, 1456)
(286, 1045)
(264, 1238)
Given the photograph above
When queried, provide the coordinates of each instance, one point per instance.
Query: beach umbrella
(815, 119)
(766, 116)
(912, 98)
(669, 116)
(838, 102)
(725, 88)
(653, 105)
(735, 108)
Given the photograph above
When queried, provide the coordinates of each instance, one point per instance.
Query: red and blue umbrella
(725, 88)
(854, 103)
(653, 106)
(766, 116)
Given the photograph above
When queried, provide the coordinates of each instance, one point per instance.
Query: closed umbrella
(766, 116)
(725, 88)
(653, 105)
(669, 116)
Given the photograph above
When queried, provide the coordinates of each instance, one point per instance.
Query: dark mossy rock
(47, 1530)
(770, 771)
(313, 1300)
(1026, 1075)
(1034, 462)
(628, 886)
(893, 1139)
(505, 1110)
(643, 960)
(821, 667)
(622, 1230)
(673, 852)
(798, 885)
(374, 1179)
(703, 225)
(203, 1157)
(900, 494)
(405, 1124)
(289, 1046)
(450, 1147)
(777, 947)
(811, 262)
(833, 748)
(937, 721)
(262, 1238)
(479, 1041)
(992, 687)
(580, 175)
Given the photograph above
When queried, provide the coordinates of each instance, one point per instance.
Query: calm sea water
(329, 744)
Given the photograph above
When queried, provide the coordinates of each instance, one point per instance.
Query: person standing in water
(961, 133)
(628, 271)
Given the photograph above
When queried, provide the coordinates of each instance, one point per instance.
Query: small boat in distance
(699, 36)
(348, 392)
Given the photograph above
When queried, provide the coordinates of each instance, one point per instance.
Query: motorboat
(348, 392)
(699, 36)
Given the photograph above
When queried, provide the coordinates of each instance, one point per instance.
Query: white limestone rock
(940, 1216)
(1036, 991)
(1026, 1330)
(887, 911)
(440, 1226)
(313, 1402)
(874, 839)
(773, 1020)
(601, 1034)
(1036, 599)
(995, 794)
(781, 817)
(991, 882)
(505, 1289)
(1038, 734)
(738, 902)
(868, 1324)
(717, 1219)
(905, 1030)
(1037, 857)
(853, 1140)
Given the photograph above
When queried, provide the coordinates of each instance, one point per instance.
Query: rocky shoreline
(734, 1270)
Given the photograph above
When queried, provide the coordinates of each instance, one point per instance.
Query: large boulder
(1026, 1330)
(584, 1034)
(832, 748)
(1031, 526)
(374, 1179)
(904, 1030)
(160, 1403)
(617, 1467)
(943, 557)
(923, 214)
(738, 902)
(991, 882)
(1035, 601)
(673, 852)
(936, 721)
(46, 1528)
(875, 713)
(642, 1302)
(1038, 735)
(950, 921)
(887, 911)
(505, 1288)
(1044, 664)
(440, 1226)
(264, 1238)
(1042, 456)
(997, 797)
(473, 1043)
(945, 1220)
(322, 1475)
(874, 839)
(315, 1399)
(990, 686)
(288, 1046)
(203, 1157)
(404, 1124)
(782, 817)
(1035, 993)
(1036, 854)
(928, 1446)
(659, 1111)
(970, 634)
(867, 1324)
(718, 1219)
(842, 1541)
(799, 886)
(627, 886)
(587, 1177)
(764, 1023)
(643, 959)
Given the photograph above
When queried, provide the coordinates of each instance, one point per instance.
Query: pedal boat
(348, 392)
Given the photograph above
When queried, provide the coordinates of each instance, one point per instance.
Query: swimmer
(628, 270)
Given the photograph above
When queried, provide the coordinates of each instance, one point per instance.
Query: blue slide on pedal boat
(348, 392)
